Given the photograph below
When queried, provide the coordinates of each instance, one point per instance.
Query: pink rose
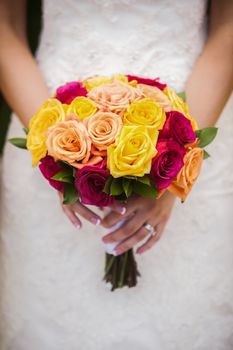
(147, 81)
(178, 127)
(102, 164)
(49, 168)
(90, 182)
(167, 163)
(66, 93)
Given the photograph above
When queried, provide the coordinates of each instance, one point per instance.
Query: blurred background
(33, 31)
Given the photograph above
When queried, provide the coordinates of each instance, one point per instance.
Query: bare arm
(18, 69)
(211, 81)
(22, 83)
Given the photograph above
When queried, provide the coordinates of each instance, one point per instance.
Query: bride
(52, 296)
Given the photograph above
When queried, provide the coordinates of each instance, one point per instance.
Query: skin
(207, 90)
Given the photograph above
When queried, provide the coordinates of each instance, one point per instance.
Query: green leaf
(19, 142)
(26, 130)
(130, 177)
(66, 179)
(206, 136)
(121, 197)
(107, 185)
(182, 95)
(65, 164)
(64, 176)
(206, 155)
(116, 187)
(144, 190)
(70, 194)
(144, 179)
(127, 187)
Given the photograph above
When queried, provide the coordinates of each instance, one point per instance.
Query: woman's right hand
(76, 210)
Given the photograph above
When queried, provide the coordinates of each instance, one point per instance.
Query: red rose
(147, 81)
(66, 93)
(177, 127)
(49, 168)
(90, 182)
(167, 163)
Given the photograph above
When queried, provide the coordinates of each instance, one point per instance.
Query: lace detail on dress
(151, 38)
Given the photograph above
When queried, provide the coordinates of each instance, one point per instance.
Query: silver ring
(150, 229)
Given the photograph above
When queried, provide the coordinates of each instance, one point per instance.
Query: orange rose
(103, 127)
(188, 174)
(115, 96)
(157, 96)
(69, 141)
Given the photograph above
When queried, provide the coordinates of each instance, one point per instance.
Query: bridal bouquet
(105, 139)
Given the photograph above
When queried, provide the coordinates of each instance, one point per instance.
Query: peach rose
(156, 95)
(114, 97)
(103, 128)
(69, 141)
(188, 174)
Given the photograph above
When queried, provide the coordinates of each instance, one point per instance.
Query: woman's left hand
(138, 211)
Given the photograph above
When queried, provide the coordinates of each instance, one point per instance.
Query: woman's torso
(152, 38)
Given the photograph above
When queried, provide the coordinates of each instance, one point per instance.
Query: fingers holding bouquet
(77, 211)
(144, 222)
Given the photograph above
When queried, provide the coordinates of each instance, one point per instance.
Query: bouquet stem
(121, 270)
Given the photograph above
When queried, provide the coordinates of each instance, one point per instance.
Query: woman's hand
(72, 210)
(139, 211)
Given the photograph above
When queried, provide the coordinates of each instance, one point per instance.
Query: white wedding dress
(52, 295)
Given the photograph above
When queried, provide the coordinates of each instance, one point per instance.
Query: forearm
(211, 81)
(21, 81)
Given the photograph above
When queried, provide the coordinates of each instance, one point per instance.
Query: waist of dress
(68, 59)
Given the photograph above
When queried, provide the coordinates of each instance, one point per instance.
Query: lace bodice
(152, 38)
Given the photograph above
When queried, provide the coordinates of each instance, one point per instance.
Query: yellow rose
(120, 77)
(145, 112)
(133, 151)
(179, 105)
(82, 107)
(95, 81)
(50, 113)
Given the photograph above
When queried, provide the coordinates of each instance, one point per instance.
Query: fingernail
(140, 252)
(121, 210)
(77, 225)
(116, 252)
(95, 221)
